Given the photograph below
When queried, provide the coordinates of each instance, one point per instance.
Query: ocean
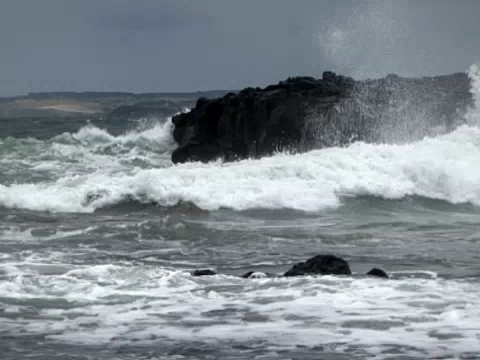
(99, 233)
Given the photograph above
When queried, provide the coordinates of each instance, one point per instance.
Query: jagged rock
(378, 273)
(203, 272)
(302, 113)
(320, 265)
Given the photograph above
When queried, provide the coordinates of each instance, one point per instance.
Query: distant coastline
(120, 104)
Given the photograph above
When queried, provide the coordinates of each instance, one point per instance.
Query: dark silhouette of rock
(320, 265)
(248, 274)
(203, 272)
(378, 273)
(302, 113)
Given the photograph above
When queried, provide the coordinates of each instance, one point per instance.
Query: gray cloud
(184, 45)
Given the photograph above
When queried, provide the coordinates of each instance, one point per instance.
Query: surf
(437, 168)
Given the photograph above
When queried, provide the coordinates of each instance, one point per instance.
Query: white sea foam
(156, 136)
(96, 148)
(440, 168)
(100, 170)
(110, 304)
(17, 235)
(86, 151)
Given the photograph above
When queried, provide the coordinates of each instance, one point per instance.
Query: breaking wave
(83, 152)
(93, 169)
(443, 168)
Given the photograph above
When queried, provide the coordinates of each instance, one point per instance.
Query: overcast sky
(188, 45)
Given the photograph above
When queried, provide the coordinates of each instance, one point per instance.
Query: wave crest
(439, 168)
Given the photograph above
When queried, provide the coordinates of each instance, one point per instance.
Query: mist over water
(374, 38)
(473, 116)
(367, 42)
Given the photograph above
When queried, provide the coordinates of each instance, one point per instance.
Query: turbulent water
(99, 233)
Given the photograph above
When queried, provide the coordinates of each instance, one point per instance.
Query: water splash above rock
(304, 113)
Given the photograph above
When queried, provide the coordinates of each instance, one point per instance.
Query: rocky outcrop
(320, 265)
(376, 272)
(203, 272)
(303, 113)
(324, 264)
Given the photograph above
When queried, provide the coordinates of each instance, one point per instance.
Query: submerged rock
(203, 272)
(378, 273)
(257, 275)
(320, 265)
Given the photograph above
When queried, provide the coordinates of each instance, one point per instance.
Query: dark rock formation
(320, 265)
(303, 113)
(378, 273)
(203, 272)
(317, 265)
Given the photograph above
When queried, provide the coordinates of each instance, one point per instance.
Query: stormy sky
(189, 45)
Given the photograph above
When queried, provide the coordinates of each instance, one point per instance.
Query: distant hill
(93, 103)
(118, 94)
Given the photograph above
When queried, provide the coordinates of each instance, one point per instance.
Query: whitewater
(437, 168)
(99, 233)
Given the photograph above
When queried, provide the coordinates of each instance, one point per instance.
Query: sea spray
(473, 115)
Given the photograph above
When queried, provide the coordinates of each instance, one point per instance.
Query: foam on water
(110, 304)
(85, 151)
(91, 169)
(17, 235)
(153, 137)
(440, 168)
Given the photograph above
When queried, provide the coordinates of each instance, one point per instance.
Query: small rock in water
(320, 265)
(257, 275)
(378, 273)
(203, 272)
(248, 274)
